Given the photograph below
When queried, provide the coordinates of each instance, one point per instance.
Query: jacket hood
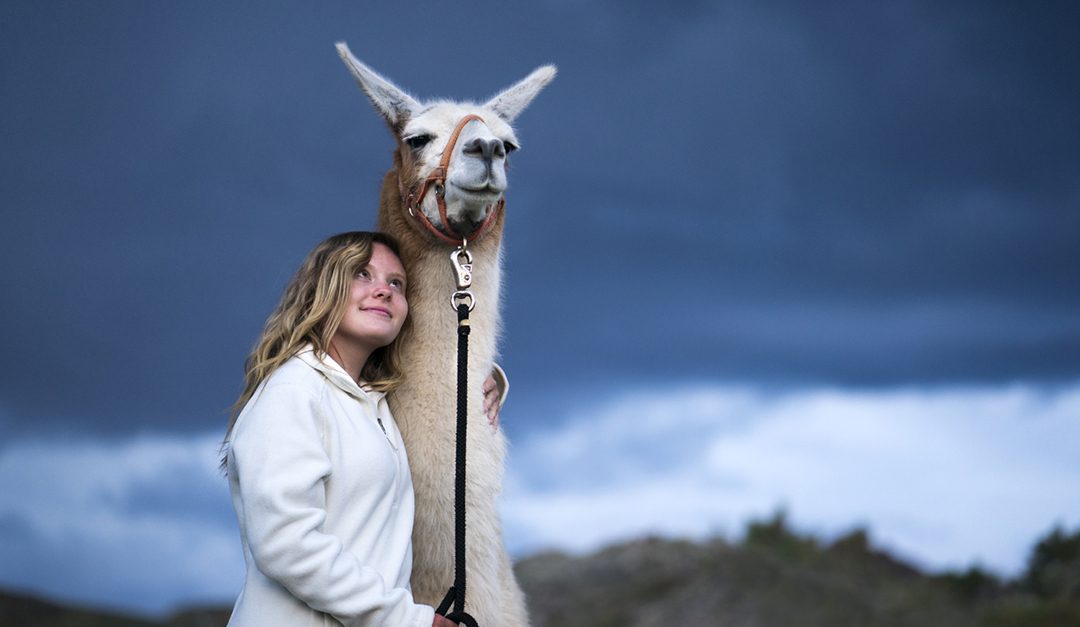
(337, 375)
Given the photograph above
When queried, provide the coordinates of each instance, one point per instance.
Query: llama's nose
(486, 149)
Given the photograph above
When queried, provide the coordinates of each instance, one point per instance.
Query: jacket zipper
(378, 419)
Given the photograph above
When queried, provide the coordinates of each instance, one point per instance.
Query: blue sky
(757, 255)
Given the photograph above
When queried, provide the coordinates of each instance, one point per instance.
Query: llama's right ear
(392, 102)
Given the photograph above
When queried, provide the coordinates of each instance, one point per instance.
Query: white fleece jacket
(324, 498)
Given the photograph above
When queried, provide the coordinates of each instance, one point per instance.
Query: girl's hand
(491, 401)
(442, 621)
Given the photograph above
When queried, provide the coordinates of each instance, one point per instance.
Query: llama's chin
(467, 206)
(469, 221)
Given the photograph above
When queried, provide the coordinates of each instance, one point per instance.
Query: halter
(413, 199)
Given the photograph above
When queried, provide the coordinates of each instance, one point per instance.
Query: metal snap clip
(461, 296)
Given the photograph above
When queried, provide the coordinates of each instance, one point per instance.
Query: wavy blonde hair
(312, 308)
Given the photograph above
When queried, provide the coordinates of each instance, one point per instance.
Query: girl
(316, 465)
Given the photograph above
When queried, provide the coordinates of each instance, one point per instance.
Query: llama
(472, 187)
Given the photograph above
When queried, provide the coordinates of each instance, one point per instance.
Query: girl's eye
(363, 274)
(417, 142)
(398, 283)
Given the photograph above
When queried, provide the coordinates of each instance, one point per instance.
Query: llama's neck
(429, 352)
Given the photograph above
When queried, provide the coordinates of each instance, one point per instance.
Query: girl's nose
(382, 290)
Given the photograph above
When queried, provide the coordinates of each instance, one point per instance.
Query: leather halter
(413, 199)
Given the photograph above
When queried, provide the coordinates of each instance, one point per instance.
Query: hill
(23, 610)
(776, 578)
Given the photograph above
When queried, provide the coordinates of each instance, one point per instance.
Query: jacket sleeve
(281, 467)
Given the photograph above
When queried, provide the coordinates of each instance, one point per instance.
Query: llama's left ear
(513, 100)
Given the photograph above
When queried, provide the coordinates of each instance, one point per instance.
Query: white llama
(470, 189)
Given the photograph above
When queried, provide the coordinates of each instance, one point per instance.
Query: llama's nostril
(485, 149)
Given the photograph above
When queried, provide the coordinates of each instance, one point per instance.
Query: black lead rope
(456, 594)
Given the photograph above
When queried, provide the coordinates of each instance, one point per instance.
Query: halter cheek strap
(414, 198)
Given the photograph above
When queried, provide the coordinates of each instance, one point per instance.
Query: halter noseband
(414, 198)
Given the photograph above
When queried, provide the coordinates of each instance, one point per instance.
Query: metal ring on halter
(461, 295)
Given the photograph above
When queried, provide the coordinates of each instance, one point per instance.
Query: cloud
(945, 477)
(140, 523)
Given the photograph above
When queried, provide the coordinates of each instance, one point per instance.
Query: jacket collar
(337, 375)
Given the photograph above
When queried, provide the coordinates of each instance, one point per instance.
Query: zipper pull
(386, 434)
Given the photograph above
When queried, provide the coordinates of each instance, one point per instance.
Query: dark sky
(844, 193)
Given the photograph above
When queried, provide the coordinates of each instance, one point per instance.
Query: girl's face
(376, 308)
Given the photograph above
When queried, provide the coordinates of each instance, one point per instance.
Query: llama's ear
(392, 102)
(513, 100)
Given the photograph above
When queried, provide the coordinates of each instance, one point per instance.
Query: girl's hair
(311, 310)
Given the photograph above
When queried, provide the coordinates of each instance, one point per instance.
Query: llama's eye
(510, 147)
(416, 142)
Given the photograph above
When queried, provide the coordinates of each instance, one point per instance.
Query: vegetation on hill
(778, 578)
